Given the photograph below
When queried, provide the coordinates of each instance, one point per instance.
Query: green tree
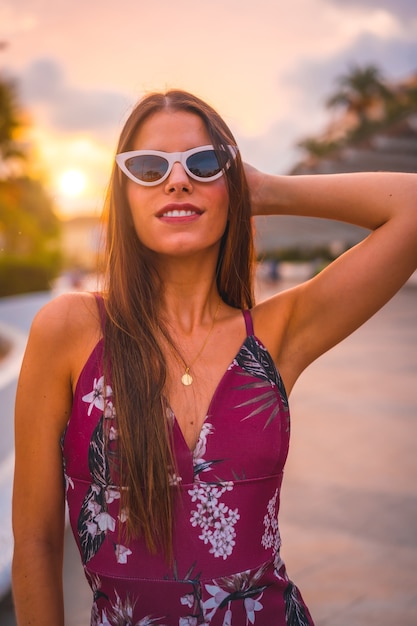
(29, 228)
(10, 122)
(358, 91)
(317, 148)
(29, 237)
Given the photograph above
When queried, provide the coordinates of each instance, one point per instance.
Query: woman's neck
(190, 294)
(187, 307)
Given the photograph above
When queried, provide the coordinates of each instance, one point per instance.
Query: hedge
(25, 275)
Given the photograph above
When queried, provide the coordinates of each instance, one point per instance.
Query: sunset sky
(266, 65)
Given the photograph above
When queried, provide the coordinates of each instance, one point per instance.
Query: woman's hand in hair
(266, 191)
(255, 179)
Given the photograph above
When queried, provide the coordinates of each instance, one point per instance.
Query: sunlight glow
(72, 183)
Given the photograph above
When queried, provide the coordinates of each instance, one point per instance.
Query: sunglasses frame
(172, 158)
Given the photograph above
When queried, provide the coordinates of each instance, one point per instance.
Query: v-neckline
(212, 400)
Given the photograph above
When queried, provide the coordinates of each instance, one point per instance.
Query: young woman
(163, 400)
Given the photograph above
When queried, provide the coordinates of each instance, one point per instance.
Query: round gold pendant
(186, 379)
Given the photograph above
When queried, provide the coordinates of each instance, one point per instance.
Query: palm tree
(10, 122)
(359, 89)
(317, 148)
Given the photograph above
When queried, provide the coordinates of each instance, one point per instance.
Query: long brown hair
(133, 293)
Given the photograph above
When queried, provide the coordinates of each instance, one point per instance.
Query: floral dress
(227, 569)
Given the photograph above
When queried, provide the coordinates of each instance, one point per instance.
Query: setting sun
(72, 183)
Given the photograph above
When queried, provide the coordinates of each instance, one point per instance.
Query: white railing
(9, 370)
(16, 314)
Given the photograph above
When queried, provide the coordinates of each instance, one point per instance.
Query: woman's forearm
(365, 199)
(37, 585)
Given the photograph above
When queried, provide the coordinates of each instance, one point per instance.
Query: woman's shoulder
(68, 320)
(68, 310)
(274, 312)
(272, 320)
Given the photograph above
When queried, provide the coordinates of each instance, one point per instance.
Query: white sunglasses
(151, 167)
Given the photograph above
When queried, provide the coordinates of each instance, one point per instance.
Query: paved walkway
(349, 502)
(349, 514)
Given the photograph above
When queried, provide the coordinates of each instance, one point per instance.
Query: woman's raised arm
(327, 308)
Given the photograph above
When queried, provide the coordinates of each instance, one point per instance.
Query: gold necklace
(186, 378)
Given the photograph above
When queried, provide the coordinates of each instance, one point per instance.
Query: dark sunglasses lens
(148, 168)
(207, 163)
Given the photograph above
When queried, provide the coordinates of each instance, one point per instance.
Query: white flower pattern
(201, 445)
(105, 521)
(188, 621)
(122, 552)
(228, 590)
(271, 537)
(98, 395)
(215, 519)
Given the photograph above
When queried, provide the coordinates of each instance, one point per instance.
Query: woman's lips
(179, 212)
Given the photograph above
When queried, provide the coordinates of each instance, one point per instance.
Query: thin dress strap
(101, 309)
(248, 322)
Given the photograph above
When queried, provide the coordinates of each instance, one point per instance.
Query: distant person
(76, 278)
(158, 407)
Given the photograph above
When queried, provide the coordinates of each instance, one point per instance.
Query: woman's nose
(178, 179)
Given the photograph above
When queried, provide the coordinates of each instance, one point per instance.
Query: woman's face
(180, 216)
